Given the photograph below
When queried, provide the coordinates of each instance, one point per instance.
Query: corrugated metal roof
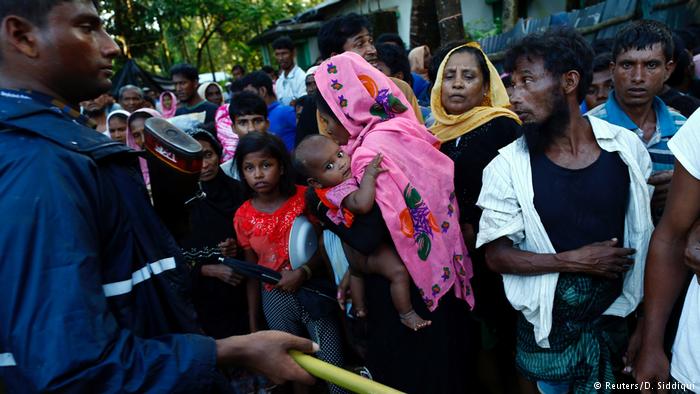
(301, 25)
(293, 30)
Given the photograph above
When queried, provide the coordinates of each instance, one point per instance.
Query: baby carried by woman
(366, 115)
(328, 171)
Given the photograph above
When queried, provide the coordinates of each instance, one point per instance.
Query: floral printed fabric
(333, 198)
(225, 134)
(416, 194)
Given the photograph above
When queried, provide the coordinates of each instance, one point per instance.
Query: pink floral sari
(225, 134)
(416, 194)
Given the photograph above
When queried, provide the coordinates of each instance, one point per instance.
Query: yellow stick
(339, 376)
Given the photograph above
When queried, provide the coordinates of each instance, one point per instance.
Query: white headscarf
(202, 89)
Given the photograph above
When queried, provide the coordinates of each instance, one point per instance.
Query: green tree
(129, 23)
(211, 34)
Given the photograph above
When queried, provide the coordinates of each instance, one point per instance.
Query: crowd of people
(534, 229)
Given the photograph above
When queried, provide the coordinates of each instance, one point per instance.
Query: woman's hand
(343, 289)
(291, 280)
(224, 273)
(229, 247)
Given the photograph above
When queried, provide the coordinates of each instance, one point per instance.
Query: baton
(339, 376)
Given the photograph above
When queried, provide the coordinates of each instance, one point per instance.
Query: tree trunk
(167, 57)
(121, 20)
(449, 13)
(423, 22)
(208, 31)
(510, 14)
(183, 43)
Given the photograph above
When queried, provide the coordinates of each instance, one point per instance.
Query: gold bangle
(306, 270)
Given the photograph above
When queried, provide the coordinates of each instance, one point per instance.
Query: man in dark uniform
(91, 284)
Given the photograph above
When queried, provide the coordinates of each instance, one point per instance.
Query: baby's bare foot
(360, 312)
(413, 321)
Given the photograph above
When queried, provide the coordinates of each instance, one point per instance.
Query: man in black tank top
(574, 203)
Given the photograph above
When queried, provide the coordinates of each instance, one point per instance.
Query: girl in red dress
(262, 225)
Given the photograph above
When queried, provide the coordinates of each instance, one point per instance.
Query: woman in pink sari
(168, 104)
(225, 134)
(367, 114)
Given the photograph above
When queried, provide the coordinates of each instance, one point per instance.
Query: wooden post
(423, 22)
(449, 13)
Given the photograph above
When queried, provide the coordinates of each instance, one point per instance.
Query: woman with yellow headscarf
(469, 104)
(472, 120)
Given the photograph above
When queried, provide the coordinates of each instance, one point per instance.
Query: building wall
(476, 11)
(307, 52)
(314, 53)
(542, 8)
(402, 8)
(473, 11)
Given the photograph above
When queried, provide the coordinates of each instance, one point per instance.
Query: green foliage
(481, 28)
(211, 34)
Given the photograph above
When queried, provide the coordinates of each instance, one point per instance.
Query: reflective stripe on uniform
(140, 275)
(7, 360)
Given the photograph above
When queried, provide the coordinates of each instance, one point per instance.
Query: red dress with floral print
(267, 234)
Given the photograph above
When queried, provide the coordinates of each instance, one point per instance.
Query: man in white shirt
(291, 83)
(564, 209)
(95, 110)
(673, 253)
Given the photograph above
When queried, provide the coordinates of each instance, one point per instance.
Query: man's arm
(665, 272)
(266, 352)
(661, 181)
(601, 258)
(502, 224)
(54, 317)
(692, 251)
